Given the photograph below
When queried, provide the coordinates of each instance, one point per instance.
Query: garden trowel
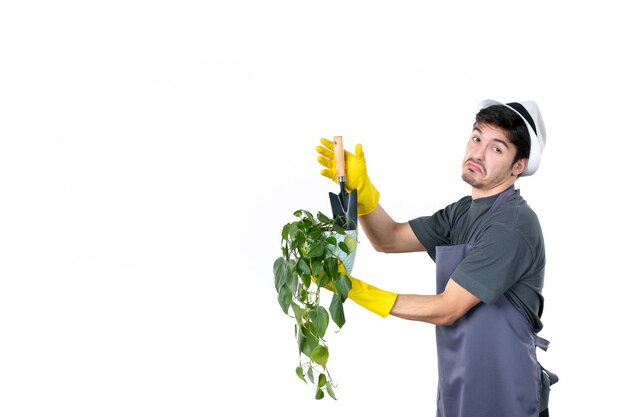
(344, 206)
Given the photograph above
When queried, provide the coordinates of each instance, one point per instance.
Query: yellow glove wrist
(368, 197)
(367, 296)
(372, 298)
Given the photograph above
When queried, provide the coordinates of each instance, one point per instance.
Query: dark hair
(512, 123)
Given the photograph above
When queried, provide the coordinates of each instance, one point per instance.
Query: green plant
(310, 259)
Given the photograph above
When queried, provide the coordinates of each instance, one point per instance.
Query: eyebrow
(502, 141)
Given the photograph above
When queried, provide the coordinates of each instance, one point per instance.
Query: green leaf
(321, 380)
(316, 267)
(292, 230)
(324, 218)
(304, 226)
(316, 250)
(280, 271)
(302, 295)
(285, 232)
(322, 279)
(309, 375)
(300, 373)
(338, 228)
(308, 215)
(296, 235)
(343, 285)
(319, 318)
(284, 298)
(315, 233)
(329, 389)
(297, 312)
(299, 241)
(319, 394)
(320, 355)
(336, 311)
(308, 341)
(303, 266)
(291, 279)
(284, 275)
(331, 267)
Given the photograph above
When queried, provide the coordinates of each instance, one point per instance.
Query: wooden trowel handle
(340, 163)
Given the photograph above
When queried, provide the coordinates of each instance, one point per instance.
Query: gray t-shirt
(508, 255)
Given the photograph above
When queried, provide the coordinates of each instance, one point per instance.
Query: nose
(478, 151)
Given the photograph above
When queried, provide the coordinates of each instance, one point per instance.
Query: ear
(519, 167)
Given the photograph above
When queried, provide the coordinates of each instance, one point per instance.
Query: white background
(150, 153)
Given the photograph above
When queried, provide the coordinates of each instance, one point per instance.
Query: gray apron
(487, 360)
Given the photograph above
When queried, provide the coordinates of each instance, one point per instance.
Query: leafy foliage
(310, 261)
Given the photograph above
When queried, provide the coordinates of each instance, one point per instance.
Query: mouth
(473, 166)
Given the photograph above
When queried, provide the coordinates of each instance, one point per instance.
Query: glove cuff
(372, 298)
(367, 198)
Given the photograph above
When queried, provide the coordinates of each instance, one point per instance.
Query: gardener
(489, 254)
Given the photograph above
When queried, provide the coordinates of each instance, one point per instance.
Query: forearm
(387, 235)
(377, 227)
(442, 309)
(426, 308)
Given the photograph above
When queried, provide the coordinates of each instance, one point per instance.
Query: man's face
(488, 161)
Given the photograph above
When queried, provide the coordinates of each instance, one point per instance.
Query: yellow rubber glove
(372, 298)
(356, 174)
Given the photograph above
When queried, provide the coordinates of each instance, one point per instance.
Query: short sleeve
(436, 230)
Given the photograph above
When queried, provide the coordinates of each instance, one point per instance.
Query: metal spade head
(344, 206)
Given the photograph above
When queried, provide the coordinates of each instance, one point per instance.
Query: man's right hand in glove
(442, 309)
(356, 174)
(367, 296)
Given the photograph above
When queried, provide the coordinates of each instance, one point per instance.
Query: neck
(482, 193)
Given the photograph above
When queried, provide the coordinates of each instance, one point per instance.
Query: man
(489, 254)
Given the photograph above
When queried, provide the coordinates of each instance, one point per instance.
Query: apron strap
(543, 344)
(495, 206)
(540, 342)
